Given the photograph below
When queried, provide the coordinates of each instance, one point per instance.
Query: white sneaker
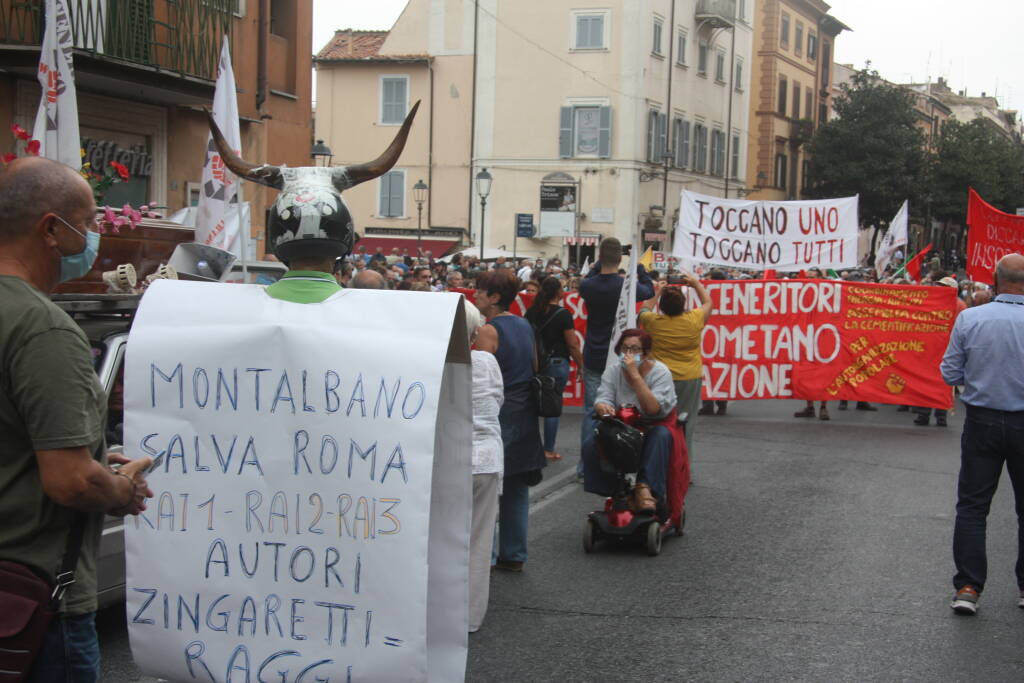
(1020, 602)
(965, 601)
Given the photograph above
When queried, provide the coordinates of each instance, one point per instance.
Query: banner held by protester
(312, 496)
(992, 234)
(820, 233)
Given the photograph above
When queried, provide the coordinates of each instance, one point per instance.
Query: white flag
(894, 238)
(625, 314)
(220, 185)
(585, 268)
(56, 126)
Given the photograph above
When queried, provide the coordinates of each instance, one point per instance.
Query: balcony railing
(718, 13)
(181, 36)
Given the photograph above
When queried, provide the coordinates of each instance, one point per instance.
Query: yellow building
(792, 83)
(612, 108)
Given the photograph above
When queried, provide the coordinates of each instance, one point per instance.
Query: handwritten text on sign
(293, 488)
(825, 340)
(760, 234)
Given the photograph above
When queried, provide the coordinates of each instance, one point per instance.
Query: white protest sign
(895, 237)
(758, 235)
(312, 486)
(625, 312)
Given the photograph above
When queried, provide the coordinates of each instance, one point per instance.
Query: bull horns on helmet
(264, 175)
(360, 173)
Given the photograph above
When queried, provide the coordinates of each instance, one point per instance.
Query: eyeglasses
(633, 349)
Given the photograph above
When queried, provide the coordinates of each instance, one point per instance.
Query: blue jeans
(513, 518)
(990, 438)
(653, 467)
(70, 652)
(591, 383)
(559, 369)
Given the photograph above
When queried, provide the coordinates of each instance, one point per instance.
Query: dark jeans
(653, 467)
(559, 369)
(591, 383)
(70, 652)
(990, 438)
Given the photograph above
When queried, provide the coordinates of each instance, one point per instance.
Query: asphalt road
(815, 551)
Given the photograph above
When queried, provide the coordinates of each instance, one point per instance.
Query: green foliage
(975, 154)
(873, 149)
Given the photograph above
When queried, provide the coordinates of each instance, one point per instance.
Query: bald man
(368, 279)
(55, 485)
(986, 356)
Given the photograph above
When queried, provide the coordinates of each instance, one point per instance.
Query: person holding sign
(510, 338)
(639, 383)
(55, 482)
(676, 335)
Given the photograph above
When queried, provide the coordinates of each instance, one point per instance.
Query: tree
(873, 148)
(974, 154)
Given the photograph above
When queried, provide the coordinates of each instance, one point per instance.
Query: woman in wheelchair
(639, 390)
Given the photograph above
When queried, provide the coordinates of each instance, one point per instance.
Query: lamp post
(419, 195)
(321, 154)
(483, 188)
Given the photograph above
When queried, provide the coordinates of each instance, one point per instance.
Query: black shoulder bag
(28, 603)
(546, 395)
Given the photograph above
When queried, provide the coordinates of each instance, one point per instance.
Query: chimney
(350, 50)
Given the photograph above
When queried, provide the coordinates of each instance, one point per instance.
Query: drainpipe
(728, 119)
(668, 112)
(472, 120)
(430, 147)
(262, 56)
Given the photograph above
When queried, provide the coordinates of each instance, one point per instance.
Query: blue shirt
(601, 294)
(986, 354)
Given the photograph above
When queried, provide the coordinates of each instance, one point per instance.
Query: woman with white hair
(488, 465)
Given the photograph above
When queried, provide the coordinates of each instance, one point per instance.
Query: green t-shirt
(304, 287)
(50, 398)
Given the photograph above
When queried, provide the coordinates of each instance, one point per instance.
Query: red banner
(823, 340)
(992, 235)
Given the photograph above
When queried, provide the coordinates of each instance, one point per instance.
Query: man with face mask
(55, 485)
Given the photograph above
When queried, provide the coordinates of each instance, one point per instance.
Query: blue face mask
(77, 265)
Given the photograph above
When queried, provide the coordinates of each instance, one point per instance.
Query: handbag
(620, 446)
(544, 388)
(546, 396)
(28, 603)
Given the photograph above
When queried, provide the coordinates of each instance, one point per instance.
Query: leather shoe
(864, 405)
(643, 500)
(921, 420)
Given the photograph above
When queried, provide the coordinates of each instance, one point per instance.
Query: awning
(437, 247)
(583, 240)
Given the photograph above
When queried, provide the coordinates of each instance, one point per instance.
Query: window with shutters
(741, 10)
(780, 171)
(783, 91)
(717, 153)
(394, 99)
(798, 39)
(738, 84)
(657, 134)
(809, 103)
(720, 66)
(585, 131)
(681, 48)
(812, 46)
(392, 194)
(826, 64)
(681, 137)
(735, 156)
(656, 36)
(796, 101)
(700, 148)
(702, 58)
(784, 31)
(590, 30)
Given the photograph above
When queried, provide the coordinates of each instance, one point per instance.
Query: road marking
(556, 489)
(113, 529)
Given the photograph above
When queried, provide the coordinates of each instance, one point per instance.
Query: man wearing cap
(986, 356)
(924, 414)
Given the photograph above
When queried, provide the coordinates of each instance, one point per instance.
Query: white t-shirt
(488, 395)
(524, 273)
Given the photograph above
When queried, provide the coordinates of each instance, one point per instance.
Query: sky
(976, 46)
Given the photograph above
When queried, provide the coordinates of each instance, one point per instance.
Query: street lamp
(419, 195)
(321, 154)
(483, 188)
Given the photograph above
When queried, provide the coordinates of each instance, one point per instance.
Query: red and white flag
(56, 125)
(220, 186)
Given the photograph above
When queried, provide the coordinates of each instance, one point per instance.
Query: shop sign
(99, 154)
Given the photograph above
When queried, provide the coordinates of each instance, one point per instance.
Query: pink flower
(20, 132)
(144, 207)
(32, 148)
(108, 214)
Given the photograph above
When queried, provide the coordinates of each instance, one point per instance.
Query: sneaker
(509, 566)
(1020, 602)
(806, 412)
(966, 601)
(823, 413)
(921, 420)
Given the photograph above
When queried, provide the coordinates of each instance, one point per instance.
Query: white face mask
(639, 357)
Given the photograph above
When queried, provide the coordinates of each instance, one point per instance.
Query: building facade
(794, 44)
(144, 71)
(608, 109)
